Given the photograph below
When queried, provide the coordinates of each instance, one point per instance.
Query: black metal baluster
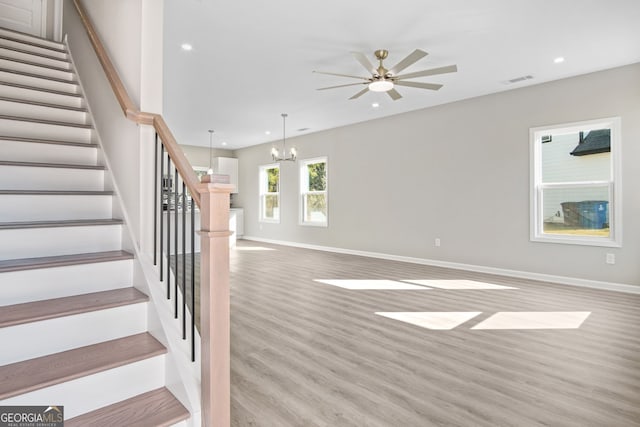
(161, 208)
(168, 226)
(155, 204)
(184, 260)
(193, 280)
(176, 222)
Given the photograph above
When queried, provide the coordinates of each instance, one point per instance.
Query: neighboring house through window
(313, 192)
(270, 193)
(576, 189)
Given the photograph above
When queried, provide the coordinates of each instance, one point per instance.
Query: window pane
(577, 156)
(271, 207)
(273, 180)
(582, 211)
(315, 208)
(317, 176)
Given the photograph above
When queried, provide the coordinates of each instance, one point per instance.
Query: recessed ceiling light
(559, 60)
(186, 46)
(224, 143)
(268, 132)
(375, 105)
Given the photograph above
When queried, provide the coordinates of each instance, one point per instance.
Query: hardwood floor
(306, 353)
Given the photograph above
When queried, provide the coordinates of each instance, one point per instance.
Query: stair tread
(43, 104)
(39, 39)
(21, 264)
(38, 76)
(41, 89)
(47, 141)
(34, 374)
(60, 223)
(39, 55)
(45, 122)
(156, 408)
(31, 43)
(35, 64)
(18, 314)
(50, 165)
(54, 193)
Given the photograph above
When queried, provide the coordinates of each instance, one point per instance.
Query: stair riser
(36, 50)
(8, 53)
(10, 108)
(21, 79)
(40, 284)
(45, 131)
(19, 151)
(40, 242)
(30, 39)
(44, 178)
(94, 391)
(45, 207)
(41, 71)
(39, 96)
(66, 333)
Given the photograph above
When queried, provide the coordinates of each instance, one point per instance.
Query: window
(576, 191)
(270, 193)
(313, 192)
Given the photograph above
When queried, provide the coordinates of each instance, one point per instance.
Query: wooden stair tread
(51, 165)
(39, 55)
(41, 89)
(43, 104)
(62, 260)
(18, 314)
(38, 76)
(157, 408)
(54, 193)
(34, 374)
(36, 64)
(47, 141)
(15, 225)
(45, 122)
(31, 43)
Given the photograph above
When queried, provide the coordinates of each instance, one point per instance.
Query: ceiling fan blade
(342, 75)
(431, 72)
(362, 59)
(431, 86)
(394, 94)
(414, 57)
(359, 94)
(334, 87)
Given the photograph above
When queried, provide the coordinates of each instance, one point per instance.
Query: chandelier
(275, 154)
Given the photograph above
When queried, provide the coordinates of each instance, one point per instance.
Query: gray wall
(459, 172)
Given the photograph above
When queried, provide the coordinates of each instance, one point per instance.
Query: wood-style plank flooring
(305, 353)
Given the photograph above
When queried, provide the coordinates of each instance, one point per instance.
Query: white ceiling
(252, 61)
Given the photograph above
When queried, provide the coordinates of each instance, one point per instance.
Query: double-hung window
(576, 188)
(313, 192)
(270, 193)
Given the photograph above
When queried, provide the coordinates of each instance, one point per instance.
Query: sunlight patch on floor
(432, 320)
(534, 320)
(458, 284)
(366, 284)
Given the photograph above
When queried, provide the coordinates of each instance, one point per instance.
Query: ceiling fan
(384, 80)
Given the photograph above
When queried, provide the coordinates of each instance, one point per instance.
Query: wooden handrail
(132, 113)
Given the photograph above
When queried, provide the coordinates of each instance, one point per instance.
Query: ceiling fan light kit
(385, 80)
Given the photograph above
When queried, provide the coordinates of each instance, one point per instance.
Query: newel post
(215, 303)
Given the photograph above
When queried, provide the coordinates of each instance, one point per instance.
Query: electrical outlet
(611, 258)
(437, 242)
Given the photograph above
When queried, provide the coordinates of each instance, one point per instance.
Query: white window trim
(303, 164)
(261, 175)
(615, 183)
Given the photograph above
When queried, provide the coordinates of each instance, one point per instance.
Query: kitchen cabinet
(227, 166)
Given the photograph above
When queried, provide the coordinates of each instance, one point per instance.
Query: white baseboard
(563, 280)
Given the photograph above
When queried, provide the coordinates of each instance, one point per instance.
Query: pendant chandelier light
(210, 170)
(275, 154)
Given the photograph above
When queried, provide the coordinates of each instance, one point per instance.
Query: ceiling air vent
(518, 79)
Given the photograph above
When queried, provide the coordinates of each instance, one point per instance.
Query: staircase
(73, 329)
